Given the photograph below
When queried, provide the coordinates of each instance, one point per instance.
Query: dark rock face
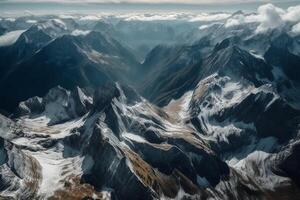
(104, 95)
(222, 45)
(130, 93)
(183, 72)
(4, 183)
(113, 160)
(110, 169)
(236, 63)
(287, 162)
(39, 74)
(288, 62)
(174, 75)
(271, 115)
(177, 157)
(69, 61)
(2, 30)
(27, 44)
(19, 172)
(82, 101)
(3, 151)
(58, 104)
(32, 105)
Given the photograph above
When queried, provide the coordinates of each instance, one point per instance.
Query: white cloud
(10, 19)
(153, 16)
(30, 21)
(53, 25)
(292, 14)
(59, 22)
(210, 17)
(10, 37)
(269, 17)
(296, 29)
(206, 26)
(235, 21)
(67, 17)
(90, 18)
(168, 16)
(79, 32)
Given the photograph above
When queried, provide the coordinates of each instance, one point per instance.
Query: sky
(45, 6)
(201, 2)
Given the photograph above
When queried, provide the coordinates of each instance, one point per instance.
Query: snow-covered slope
(120, 139)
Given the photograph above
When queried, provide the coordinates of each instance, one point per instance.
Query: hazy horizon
(41, 7)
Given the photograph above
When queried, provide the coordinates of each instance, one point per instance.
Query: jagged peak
(282, 41)
(231, 42)
(104, 95)
(34, 35)
(64, 45)
(160, 49)
(239, 12)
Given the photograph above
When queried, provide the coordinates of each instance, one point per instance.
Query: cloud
(67, 17)
(296, 29)
(79, 32)
(206, 26)
(10, 19)
(292, 14)
(235, 21)
(168, 16)
(10, 37)
(272, 17)
(205, 17)
(269, 17)
(151, 17)
(58, 23)
(90, 18)
(31, 21)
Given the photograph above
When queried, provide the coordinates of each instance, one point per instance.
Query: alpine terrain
(138, 106)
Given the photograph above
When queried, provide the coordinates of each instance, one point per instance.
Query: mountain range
(122, 108)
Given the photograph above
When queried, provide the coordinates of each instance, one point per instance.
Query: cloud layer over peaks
(268, 17)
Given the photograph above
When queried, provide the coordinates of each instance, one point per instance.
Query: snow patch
(180, 107)
(55, 170)
(134, 137)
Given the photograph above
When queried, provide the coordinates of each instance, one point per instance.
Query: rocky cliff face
(115, 138)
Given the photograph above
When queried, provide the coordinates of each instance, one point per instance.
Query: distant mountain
(26, 46)
(211, 113)
(2, 30)
(183, 67)
(142, 37)
(69, 61)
